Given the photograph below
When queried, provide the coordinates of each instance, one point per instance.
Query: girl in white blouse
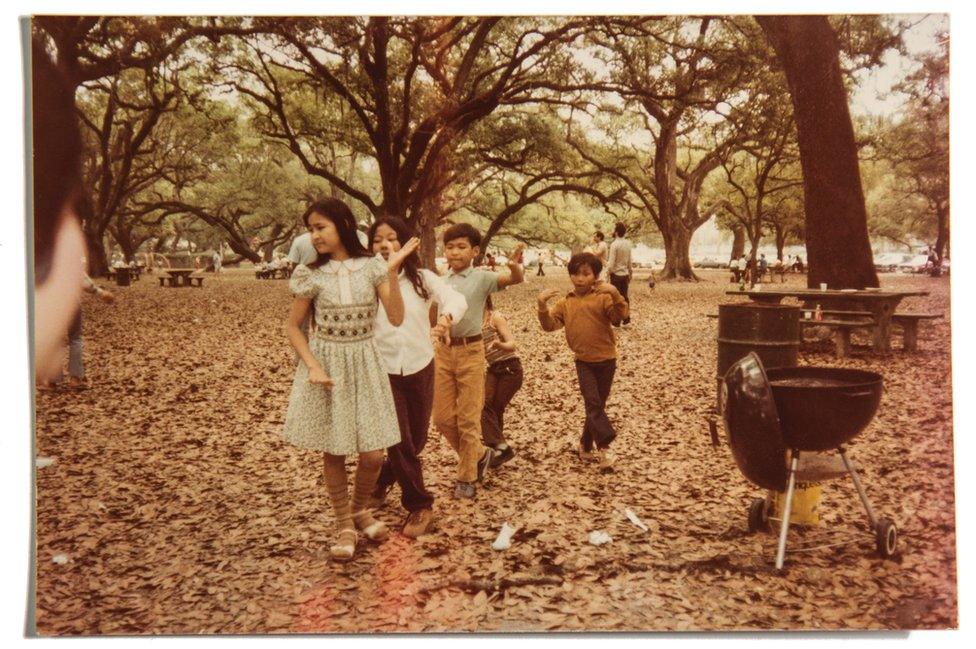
(408, 353)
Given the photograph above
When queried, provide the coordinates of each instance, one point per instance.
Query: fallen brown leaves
(180, 511)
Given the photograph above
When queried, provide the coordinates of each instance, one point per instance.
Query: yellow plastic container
(806, 504)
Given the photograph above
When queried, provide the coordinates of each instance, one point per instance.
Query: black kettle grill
(797, 409)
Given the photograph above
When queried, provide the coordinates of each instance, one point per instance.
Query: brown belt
(465, 341)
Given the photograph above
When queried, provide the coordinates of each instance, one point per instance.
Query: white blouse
(407, 349)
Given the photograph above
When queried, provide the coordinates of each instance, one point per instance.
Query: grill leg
(784, 526)
(860, 488)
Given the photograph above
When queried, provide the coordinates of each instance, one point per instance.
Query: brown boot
(418, 522)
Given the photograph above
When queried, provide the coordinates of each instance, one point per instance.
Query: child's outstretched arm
(550, 320)
(293, 329)
(516, 272)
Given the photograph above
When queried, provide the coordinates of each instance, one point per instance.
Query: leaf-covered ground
(172, 507)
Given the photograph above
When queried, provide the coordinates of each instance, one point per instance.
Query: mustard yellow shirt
(588, 320)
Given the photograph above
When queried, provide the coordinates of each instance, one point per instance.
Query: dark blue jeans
(595, 380)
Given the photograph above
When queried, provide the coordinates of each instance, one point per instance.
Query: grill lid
(752, 424)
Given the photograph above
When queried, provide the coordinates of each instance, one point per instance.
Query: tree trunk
(780, 240)
(677, 262)
(838, 248)
(269, 248)
(244, 250)
(96, 255)
(942, 239)
(738, 242)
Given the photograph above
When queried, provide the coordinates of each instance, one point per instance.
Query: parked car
(917, 264)
(708, 262)
(888, 262)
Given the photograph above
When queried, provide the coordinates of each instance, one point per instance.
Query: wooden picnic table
(181, 276)
(881, 304)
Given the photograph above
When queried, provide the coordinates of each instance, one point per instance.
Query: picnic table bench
(112, 273)
(909, 324)
(841, 330)
(181, 277)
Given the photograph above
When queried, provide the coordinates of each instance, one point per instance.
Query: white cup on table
(823, 286)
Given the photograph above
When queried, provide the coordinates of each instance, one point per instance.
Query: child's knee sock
(338, 490)
(366, 475)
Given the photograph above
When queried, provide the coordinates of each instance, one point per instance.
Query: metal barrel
(770, 330)
(122, 277)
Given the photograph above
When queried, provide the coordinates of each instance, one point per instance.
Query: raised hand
(396, 258)
(547, 295)
(605, 287)
(515, 257)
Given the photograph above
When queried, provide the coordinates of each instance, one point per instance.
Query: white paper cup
(823, 286)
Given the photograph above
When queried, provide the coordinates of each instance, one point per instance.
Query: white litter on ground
(632, 517)
(599, 537)
(504, 540)
(60, 559)
(42, 462)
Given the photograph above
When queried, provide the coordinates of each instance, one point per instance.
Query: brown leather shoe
(418, 523)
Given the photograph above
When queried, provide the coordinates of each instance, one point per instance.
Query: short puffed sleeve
(302, 282)
(377, 270)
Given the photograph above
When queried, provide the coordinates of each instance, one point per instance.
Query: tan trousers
(459, 396)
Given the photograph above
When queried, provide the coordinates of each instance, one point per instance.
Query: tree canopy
(215, 132)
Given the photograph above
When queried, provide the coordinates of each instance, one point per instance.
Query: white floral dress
(357, 414)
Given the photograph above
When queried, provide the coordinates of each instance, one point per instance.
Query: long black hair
(57, 155)
(345, 223)
(411, 265)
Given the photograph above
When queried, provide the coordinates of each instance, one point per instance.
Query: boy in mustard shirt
(589, 313)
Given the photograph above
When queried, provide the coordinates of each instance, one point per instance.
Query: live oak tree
(247, 192)
(762, 175)
(678, 76)
(411, 89)
(918, 145)
(121, 158)
(838, 248)
(519, 158)
(91, 49)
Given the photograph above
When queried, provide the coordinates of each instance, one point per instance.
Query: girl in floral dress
(341, 402)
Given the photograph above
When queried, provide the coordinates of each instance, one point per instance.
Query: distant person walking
(599, 247)
(302, 251)
(619, 269)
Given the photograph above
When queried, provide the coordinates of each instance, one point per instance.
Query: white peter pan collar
(345, 266)
(343, 269)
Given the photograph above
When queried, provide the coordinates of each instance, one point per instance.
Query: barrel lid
(752, 423)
